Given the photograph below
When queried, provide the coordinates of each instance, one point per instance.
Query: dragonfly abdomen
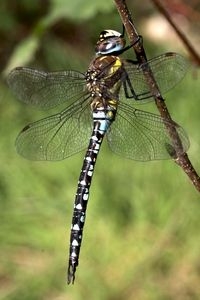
(102, 121)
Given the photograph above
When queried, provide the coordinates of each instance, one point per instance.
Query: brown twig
(182, 159)
(183, 38)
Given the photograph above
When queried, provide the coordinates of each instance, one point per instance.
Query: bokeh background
(142, 232)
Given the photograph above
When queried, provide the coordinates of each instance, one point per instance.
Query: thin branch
(183, 38)
(181, 159)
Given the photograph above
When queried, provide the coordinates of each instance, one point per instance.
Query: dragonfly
(100, 102)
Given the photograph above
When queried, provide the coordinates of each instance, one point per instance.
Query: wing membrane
(58, 136)
(168, 69)
(46, 90)
(143, 136)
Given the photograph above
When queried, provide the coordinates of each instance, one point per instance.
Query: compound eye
(110, 41)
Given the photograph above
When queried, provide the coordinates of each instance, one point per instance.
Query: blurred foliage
(141, 237)
(56, 11)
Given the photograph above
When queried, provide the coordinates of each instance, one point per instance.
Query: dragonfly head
(110, 42)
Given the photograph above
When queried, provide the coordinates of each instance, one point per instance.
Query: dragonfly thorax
(103, 78)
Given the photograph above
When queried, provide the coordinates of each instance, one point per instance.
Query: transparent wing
(143, 136)
(46, 90)
(58, 136)
(168, 69)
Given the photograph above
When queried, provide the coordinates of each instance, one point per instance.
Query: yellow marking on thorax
(115, 66)
(112, 102)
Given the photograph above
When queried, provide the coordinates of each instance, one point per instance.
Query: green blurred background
(142, 233)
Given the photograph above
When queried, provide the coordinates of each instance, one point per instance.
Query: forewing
(58, 136)
(143, 136)
(168, 69)
(46, 90)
